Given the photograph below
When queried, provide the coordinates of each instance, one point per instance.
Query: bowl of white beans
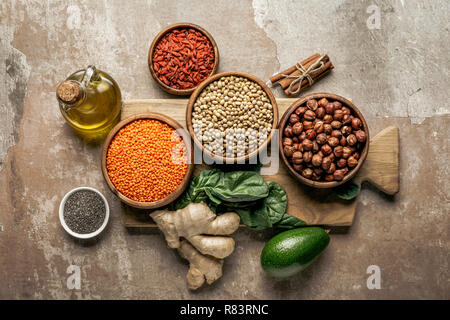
(231, 117)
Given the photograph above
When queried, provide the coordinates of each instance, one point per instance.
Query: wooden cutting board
(314, 206)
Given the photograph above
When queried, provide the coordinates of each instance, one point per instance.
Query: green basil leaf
(348, 190)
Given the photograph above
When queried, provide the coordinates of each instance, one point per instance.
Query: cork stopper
(69, 92)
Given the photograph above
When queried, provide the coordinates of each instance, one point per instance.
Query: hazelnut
(300, 111)
(309, 115)
(336, 124)
(315, 146)
(302, 136)
(346, 119)
(338, 115)
(356, 155)
(329, 108)
(338, 151)
(346, 130)
(346, 110)
(319, 127)
(347, 152)
(341, 163)
(321, 138)
(333, 141)
(351, 140)
(327, 128)
(312, 104)
(339, 175)
(288, 131)
(360, 136)
(336, 134)
(329, 177)
(307, 156)
(295, 140)
(287, 142)
(332, 157)
(320, 112)
(297, 167)
(327, 118)
(289, 151)
(316, 160)
(332, 168)
(297, 157)
(318, 171)
(307, 125)
(310, 134)
(326, 163)
(343, 141)
(323, 102)
(315, 176)
(356, 123)
(307, 145)
(295, 145)
(326, 149)
(307, 173)
(294, 118)
(337, 105)
(352, 162)
(297, 128)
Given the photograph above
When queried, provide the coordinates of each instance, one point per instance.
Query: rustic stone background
(397, 75)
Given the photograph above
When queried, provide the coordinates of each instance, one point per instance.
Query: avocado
(291, 251)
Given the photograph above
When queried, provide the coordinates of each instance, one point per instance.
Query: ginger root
(201, 266)
(205, 242)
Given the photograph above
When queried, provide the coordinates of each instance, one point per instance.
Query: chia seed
(84, 211)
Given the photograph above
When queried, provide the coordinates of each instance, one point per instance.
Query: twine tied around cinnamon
(304, 73)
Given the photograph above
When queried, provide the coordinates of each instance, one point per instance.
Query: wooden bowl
(179, 190)
(196, 93)
(180, 92)
(285, 119)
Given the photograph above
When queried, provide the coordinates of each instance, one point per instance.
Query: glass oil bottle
(90, 101)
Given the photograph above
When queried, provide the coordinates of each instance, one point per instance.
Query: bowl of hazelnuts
(324, 140)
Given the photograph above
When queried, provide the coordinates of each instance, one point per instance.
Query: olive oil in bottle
(90, 102)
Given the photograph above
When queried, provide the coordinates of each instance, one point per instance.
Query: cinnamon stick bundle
(302, 75)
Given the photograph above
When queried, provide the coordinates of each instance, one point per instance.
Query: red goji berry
(183, 58)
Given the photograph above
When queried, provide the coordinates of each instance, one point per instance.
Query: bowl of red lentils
(147, 160)
(182, 56)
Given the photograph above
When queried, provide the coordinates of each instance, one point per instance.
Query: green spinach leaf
(289, 222)
(274, 205)
(196, 190)
(240, 186)
(252, 220)
(259, 204)
(348, 190)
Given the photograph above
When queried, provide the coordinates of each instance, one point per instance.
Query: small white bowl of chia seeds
(84, 212)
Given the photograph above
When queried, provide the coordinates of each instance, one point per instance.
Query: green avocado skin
(291, 251)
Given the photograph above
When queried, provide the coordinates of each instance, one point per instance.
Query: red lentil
(146, 160)
(183, 58)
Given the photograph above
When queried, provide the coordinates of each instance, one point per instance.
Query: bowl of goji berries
(181, 57)
(147, 160)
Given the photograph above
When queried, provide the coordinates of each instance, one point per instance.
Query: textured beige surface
(396, 75)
